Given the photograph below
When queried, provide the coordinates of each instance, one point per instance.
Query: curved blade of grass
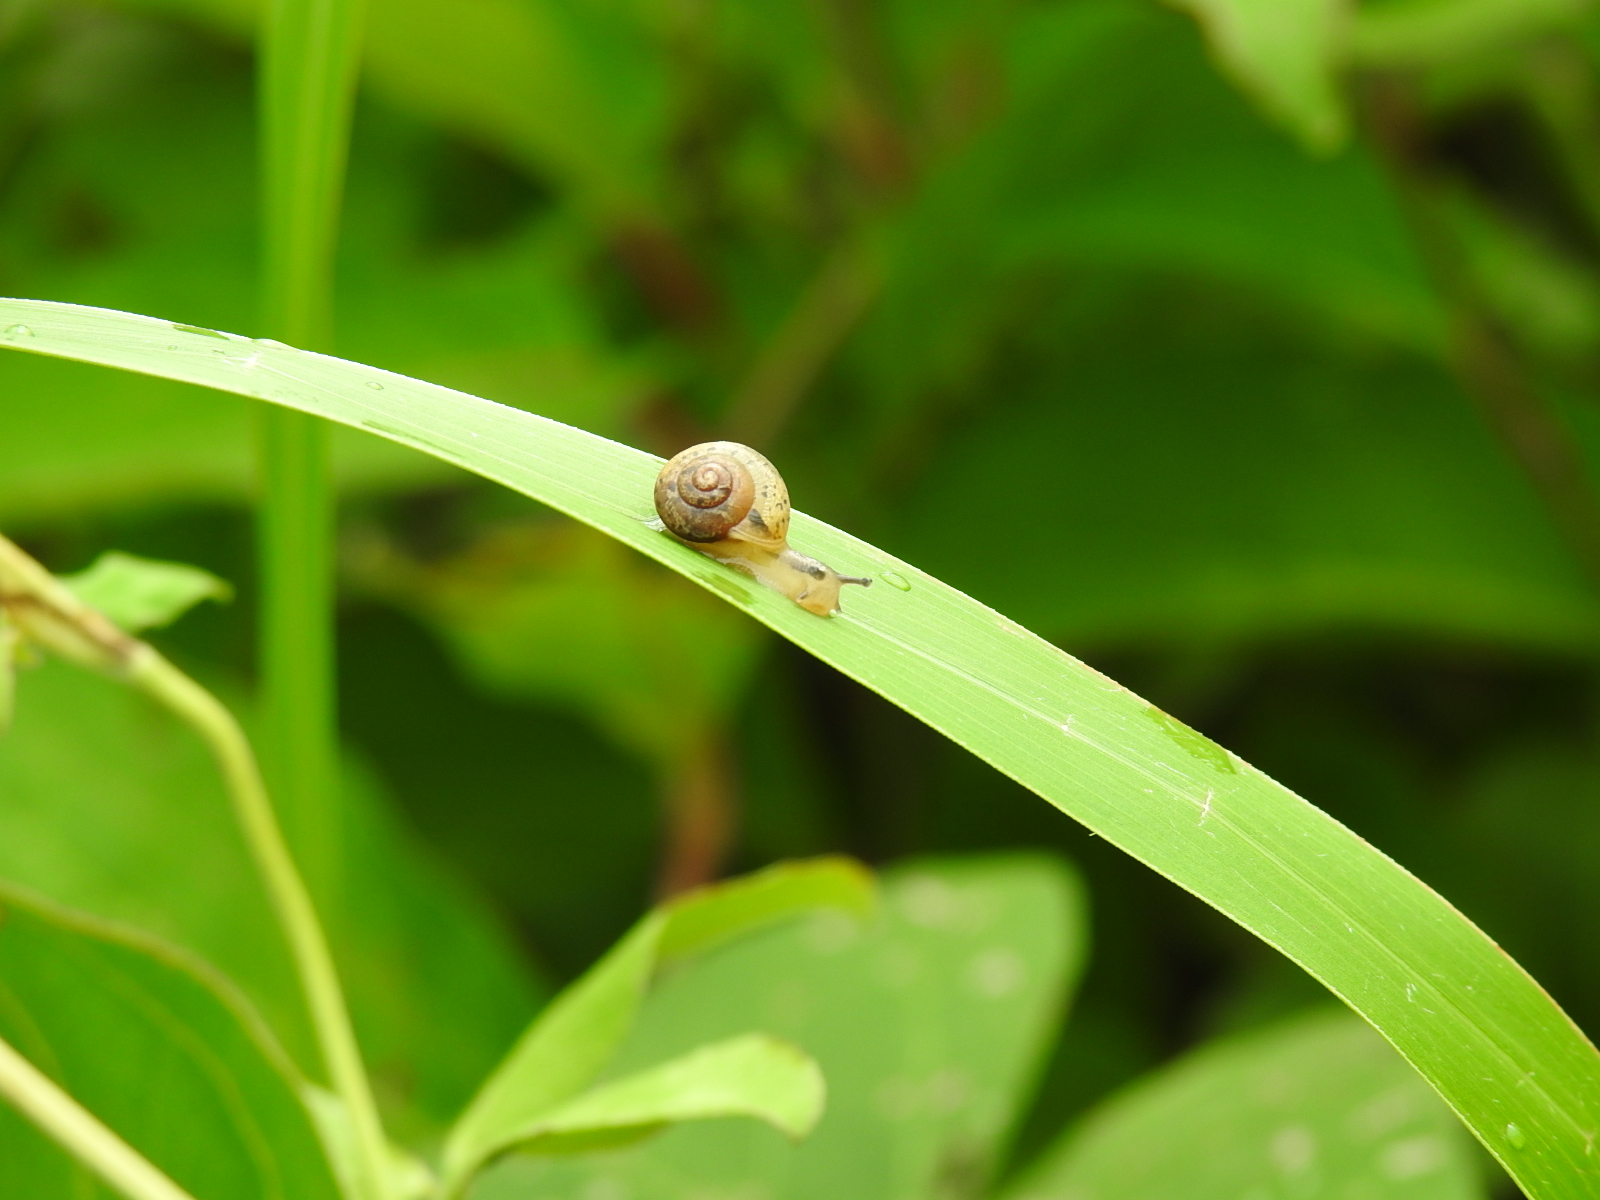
(1469, 1019)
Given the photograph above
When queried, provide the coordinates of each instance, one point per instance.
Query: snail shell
(728, 502)
(720, 490)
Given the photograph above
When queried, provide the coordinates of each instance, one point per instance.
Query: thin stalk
(290, 899)
(294, 525)
(79, 1132)
(1484, 356)
(701, 811)
(803, 346)
(308, 71)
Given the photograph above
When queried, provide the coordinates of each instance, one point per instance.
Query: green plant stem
(295, 534)
(291, 901)
(308, 71)
(701, 811)
(79, 1132)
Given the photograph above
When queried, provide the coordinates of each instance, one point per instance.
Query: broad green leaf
(140, 593)
(578, 1034)
(1123, 154)
(928, 1025)
(1272, 496)
(1318, 1109)
(158, 1047)
(110, 806)
(749, 1076)
(1465, 1015)
(1284, 53)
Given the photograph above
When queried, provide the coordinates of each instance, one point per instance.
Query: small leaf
(929, 1025)
(1284, 55)
(573, 1039)
(749, 1076)
(141, 593)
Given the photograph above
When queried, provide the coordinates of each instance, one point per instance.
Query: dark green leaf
(158, 1047)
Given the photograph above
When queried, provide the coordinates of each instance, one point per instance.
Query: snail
(730, 504)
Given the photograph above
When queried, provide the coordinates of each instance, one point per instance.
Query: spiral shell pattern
(720, 490)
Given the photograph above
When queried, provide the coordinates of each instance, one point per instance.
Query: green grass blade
(1478, 1028)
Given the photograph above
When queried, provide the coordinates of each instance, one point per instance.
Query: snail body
(729, 503)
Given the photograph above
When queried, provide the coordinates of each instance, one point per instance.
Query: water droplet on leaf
(19, 331)
(375, 385)
(895, 580)
(1516, 1137)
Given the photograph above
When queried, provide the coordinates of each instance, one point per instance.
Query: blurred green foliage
(1250, 358)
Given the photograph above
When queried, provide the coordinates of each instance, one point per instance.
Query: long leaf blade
(1491, 1041)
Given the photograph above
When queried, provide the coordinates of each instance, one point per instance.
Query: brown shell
(721, 490)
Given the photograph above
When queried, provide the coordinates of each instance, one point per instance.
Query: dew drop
(375, 385)
(1516, 1137)
(171, 347)
(19, 331)
(895, 580)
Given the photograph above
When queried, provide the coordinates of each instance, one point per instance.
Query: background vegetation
(1268, 390)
